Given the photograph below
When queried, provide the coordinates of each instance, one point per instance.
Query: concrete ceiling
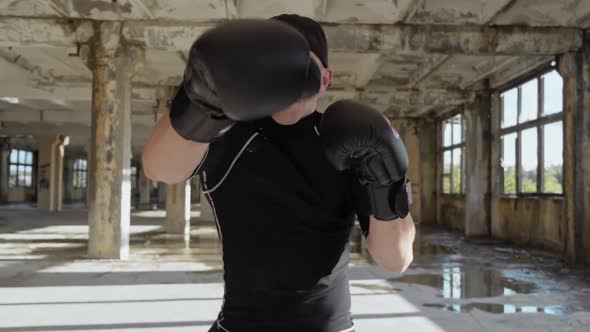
(408, 58)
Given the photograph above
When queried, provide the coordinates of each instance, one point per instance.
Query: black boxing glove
(357, 137)
(239, 71)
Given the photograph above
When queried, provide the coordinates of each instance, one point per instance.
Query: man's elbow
(399, 263)
(396, 260)
(146, 166)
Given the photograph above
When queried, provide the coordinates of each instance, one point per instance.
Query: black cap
(313, 32)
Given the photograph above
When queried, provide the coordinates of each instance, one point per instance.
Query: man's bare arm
(169, 158)
(390, 243)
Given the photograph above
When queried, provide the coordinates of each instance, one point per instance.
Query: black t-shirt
(284, 216)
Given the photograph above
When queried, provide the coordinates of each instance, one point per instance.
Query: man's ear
(326, 79)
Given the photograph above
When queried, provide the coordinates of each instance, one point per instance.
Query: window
(21, 169)
(80, 173)
(531, 136)
(453, 145)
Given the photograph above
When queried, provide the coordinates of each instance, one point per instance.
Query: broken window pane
(80, 173)
(21, 157)
(529, 162)
(14, 156)
(447, 134)
(508, 163)
(446, 184)
(28, 176)
(457, 129)
(457, 178)
(447, 162)
(12, 176)
(21, 175)
(553, 158)
(552, 93)
(529, 101)
(447, 172)
(509, 108)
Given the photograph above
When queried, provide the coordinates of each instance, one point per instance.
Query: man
(283, 197)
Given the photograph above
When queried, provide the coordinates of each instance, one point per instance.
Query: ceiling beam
(410, 11)
(68, 117)
(394, 100)
(471, 40)
(493, 67)
(400, 38)
(427, 68)
(516, 69)
(24, 32)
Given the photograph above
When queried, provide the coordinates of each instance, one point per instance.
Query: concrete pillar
(57, 169)
(428, 167)
(477, 165)
(144, 187)
(113, 63)
(575, 69)
(4, 155)
(178, 208)
(161, 195)
(44, 171)
(408, 132)
(69, 179)
(50, 172)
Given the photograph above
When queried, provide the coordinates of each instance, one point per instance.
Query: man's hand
(359, 138)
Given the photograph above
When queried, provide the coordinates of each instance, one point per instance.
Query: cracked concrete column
(178, 208)
(69, 180)
(178, 195)
(477, 165)
(57, 169)
(575, 69)
(428, 165)
(113, 63)
(50, 172)
(408, 132)
(161, 198)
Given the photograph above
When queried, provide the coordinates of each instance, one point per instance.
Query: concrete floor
(175, 284)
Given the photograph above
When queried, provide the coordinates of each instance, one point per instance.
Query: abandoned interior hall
(491, 99)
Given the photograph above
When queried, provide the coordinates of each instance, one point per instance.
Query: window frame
(539, 123)
(83, 171)
(21, 165)
(451, 148)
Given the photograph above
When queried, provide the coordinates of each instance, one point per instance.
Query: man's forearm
(169, 158)
(390, 243)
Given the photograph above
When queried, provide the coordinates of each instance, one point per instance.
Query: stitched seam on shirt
(232, 164)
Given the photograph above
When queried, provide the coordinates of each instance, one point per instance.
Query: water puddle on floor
(459, 277)
(461, 282)
(497, 308)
